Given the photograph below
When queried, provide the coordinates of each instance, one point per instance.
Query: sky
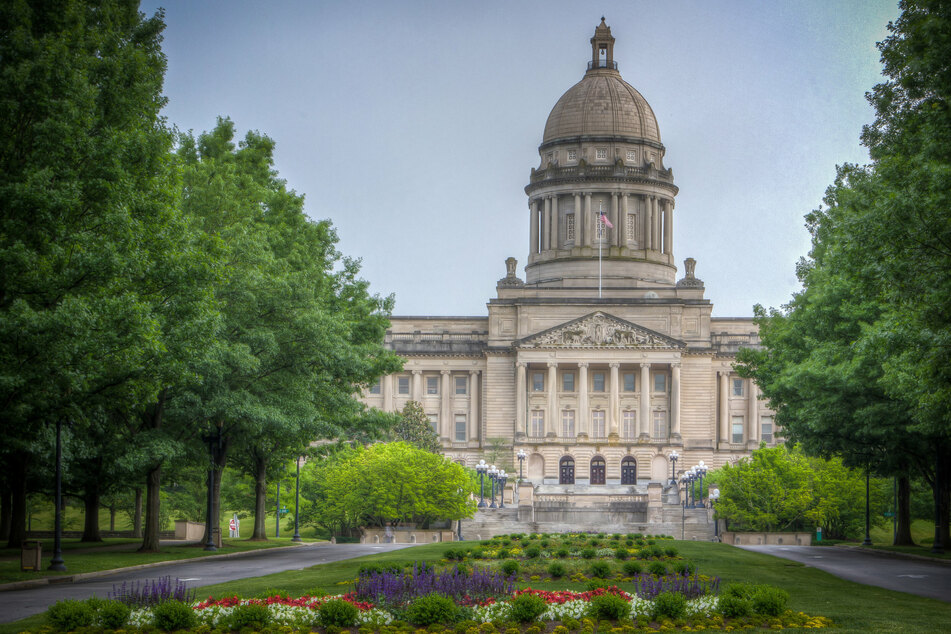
(413, 125)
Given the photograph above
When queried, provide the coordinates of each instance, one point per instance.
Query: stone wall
(772, 539)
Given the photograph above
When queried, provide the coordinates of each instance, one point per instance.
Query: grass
(114, 553)
(853, 607)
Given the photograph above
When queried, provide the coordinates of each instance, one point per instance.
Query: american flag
(606, 222)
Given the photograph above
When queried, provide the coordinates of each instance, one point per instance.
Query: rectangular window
(737, 387)
(462, 385)
(598, 379)
(550, 157)
(660, 425)
(628, 424)
(538, 423)
(402, 385)
(460, 427)
(568, 382)
(597, 423)
(572, 155)
(570, 227)
(538, 381)
(631, 155)
(628, 381)
(737, 430)
(568, 423)
(434, 421)
(766, 422)
(660, 382)
(375, 387)
(601, 153)
(630, 227)
(432, 385)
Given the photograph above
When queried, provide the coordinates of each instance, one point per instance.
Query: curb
(894, 555)
(47, 581)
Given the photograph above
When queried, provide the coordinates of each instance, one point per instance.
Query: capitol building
(600, 362)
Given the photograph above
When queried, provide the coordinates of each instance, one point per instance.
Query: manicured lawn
(114, 553)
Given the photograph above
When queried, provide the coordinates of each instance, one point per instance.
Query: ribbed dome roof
(602, 104)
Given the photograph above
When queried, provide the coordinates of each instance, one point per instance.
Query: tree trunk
(221, 461)
(943, 497)
(260, 498)
(91, 505)
(112, 519)
(17, 477)
(137, 518)
(6, 502)
(150, 539)
(903, 514)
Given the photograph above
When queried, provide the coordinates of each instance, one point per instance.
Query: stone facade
(599, 363)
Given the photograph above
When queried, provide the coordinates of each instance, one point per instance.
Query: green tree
(414, 427)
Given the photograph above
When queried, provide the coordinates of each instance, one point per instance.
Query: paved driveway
(19, 604)
(915, 576)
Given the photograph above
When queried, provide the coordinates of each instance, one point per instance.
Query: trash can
(31, 555)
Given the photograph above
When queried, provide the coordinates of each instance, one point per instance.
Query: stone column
(752, 424)
(552, 397)
(643, 422)
(655, 219)
(520, 422)
(588, 224)
(615, 400)
(445, 407)
(724, 407)
(474, 405)
(582, 398)
(579, 222)
(418, 386)
(388, 393)
(555, 223)
(675, 400)
(533, 234)
(546, 225)
(622, 222)
(648, 222)
(668, 227)
(615, 221)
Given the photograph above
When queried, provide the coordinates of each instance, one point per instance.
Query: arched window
(566, 470)
(628, 470)
(597, 470)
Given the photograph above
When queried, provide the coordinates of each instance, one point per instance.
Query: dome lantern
(602, 48)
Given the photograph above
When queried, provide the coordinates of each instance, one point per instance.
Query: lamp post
(214, 442)
(502, 477)
(277, 527)
(493, 475)
(714, 496)
(481, 468)
(57, 562)
(521, 455)
(674, 456)
(296, 537)
(701, 471)
(868, 538)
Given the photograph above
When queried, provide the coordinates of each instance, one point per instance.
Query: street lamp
(502, 477)
(493, 475)
(714, 496)
(674, 456)
(521, 455)
(277, 527)
(214, 444)
(57, 562)
(296, 537)
(481, 468)
(701, 471)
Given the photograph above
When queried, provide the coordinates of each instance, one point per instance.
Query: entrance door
(566, 470)
(597, 470)
(628, 471)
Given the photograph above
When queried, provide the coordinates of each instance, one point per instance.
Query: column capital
(645, 365)
(521, 364)
(614, 365)
(552, 364)
(582, 364)
(417, 371)
(473, 372)
(445, 372)
(675, 364)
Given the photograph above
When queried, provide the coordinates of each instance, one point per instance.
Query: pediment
(600, 330)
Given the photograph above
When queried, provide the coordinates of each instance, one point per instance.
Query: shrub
(562, 553)
(609, 606)
(741, 590)
(632, 568)
(70, 615)
(431, 609)
(510, 567)
(770, 601)
(534, 552)
(251, 615)
(528, 607)
(600, 569)
(453, 554)
(338, 612)
(588, 553)
(671, 605)
(734, 607)
(112, 615)
(657, 552)
(657, 568)
(545, 543)
(173, 615)
(596, 584)
(670, 552)
(478, 553)
(620, 553)
(557, 570)
(680, 567)
(503, 553)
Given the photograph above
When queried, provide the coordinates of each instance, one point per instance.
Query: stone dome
(602, 105)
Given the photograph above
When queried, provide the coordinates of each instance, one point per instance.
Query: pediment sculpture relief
(600, 330)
